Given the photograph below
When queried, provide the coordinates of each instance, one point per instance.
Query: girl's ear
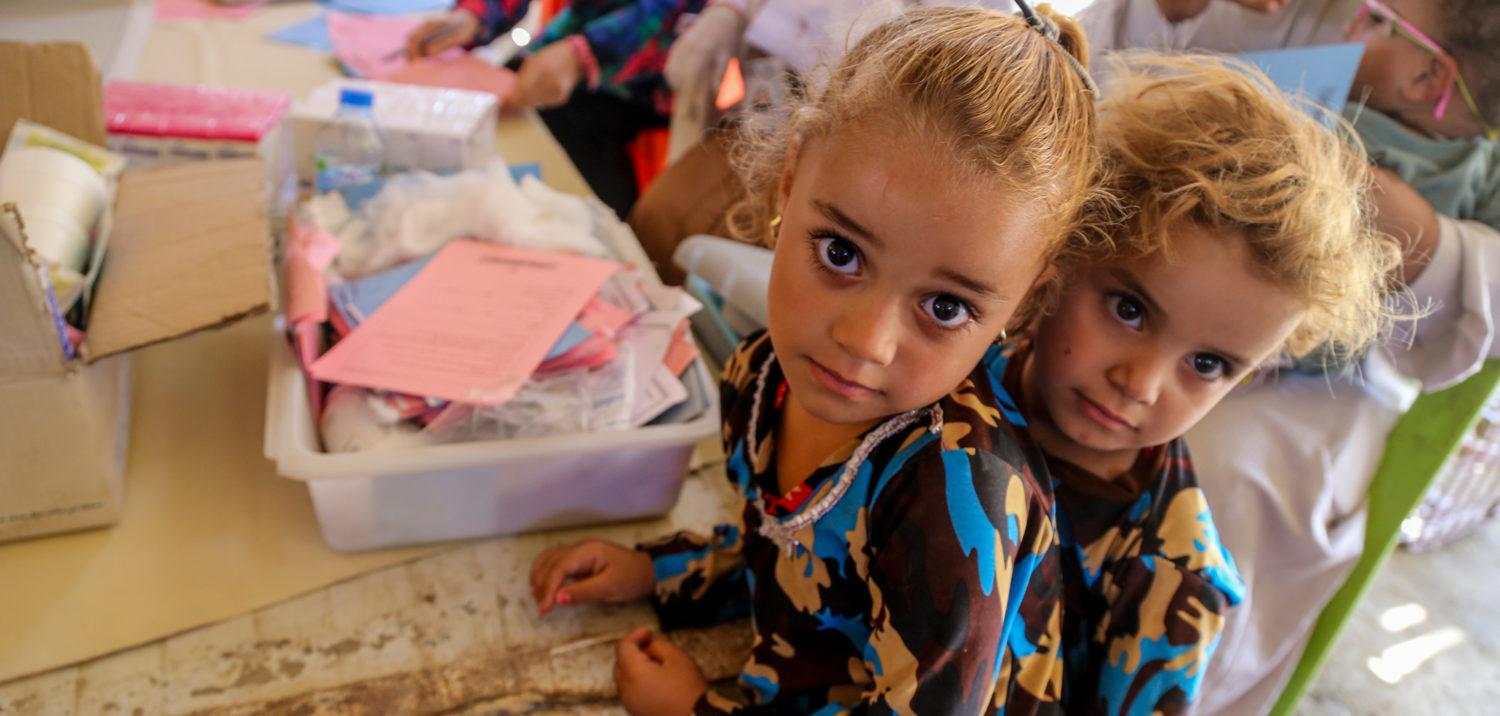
(788, 169)
(1427, 86)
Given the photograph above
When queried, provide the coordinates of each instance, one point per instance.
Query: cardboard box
(189, 249)
(425, 128)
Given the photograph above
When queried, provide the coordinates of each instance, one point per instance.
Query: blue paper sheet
(533, 169)
(312, 33)
(575, 334)
(358, 299)
(1321, 74)
(386, 7)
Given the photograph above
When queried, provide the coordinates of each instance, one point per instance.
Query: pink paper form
(464, 71)
(374, 46)
(203, 10)
(471, 326)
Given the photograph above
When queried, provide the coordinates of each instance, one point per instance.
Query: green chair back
(1422, 441)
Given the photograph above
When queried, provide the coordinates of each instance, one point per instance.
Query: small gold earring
(776, 222)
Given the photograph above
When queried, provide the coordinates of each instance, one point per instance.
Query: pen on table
(437, 33)
(588, 642)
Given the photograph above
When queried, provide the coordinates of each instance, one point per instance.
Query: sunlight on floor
(1396, 662)
(1407, 615)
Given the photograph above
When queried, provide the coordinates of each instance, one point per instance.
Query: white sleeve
(1125, 24)
(1458, 286)
(1222, 27)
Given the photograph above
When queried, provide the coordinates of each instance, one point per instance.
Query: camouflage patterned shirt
(1146, 581)
(931, 586)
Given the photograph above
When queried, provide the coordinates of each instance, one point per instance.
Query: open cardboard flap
(189, 250)
(189, 247)
(52, 83)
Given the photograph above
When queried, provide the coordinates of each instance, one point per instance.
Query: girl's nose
(1138, 378)
(869, 330)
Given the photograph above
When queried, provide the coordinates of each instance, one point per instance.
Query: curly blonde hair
(1001, 100)
(1210, 140)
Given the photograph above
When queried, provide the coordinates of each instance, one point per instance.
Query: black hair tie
(1048, 28)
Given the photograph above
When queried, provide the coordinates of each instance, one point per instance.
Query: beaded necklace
(783, 532)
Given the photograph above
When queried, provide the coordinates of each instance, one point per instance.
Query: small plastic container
(443, 492)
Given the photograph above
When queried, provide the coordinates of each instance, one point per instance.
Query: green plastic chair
(1420, 444)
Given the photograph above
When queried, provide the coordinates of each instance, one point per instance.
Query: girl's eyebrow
(832, 213)
(975, 285)
(1130, 282)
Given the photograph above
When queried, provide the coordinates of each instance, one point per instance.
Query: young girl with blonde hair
(895, 545)
(1244, 236)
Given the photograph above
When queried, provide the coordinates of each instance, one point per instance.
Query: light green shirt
(1459, 177)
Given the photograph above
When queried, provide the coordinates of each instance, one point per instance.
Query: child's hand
(655, 677)
(590, 571)
(1263, 6)
(435, 37)
(1180, 10)
(546, 79)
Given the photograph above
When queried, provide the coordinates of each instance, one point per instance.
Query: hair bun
(1069, 34)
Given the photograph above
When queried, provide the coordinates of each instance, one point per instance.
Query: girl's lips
(838, 384)
(1103, 416)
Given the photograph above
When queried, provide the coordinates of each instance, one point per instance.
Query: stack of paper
(467, 327)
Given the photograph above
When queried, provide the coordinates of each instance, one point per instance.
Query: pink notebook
(191, 111)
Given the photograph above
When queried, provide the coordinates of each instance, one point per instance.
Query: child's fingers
(661, 650)
(597, 587)
(579, 563)
(540, 567)
(630, 660)
(630, 651)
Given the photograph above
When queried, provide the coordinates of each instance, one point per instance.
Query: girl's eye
(947, 310)
(1125, 309)
(1209, 366)
(838, 255)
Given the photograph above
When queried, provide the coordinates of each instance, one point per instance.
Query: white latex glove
(699, 56)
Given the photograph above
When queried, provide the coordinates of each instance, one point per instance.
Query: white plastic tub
(434, 493)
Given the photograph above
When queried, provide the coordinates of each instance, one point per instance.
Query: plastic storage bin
(443, 492)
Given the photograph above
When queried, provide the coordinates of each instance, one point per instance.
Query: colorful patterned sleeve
(963, 592)
(964, 581)
(699, 580)
(624, 36)
(702, 579)
(496, 17)
(1165, 612)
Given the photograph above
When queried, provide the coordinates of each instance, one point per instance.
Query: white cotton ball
(326, 211)
(356, 420)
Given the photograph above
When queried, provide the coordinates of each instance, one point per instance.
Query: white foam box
(478, 489)
(425, 128)
(187, 247)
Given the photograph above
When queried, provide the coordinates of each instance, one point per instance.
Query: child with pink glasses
(1426, 102)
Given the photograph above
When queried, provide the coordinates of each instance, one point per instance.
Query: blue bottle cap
(356, 97)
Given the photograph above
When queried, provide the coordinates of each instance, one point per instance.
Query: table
(455, 631)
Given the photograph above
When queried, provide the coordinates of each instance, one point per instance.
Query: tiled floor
(1425, 639)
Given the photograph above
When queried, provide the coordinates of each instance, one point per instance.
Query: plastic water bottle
(349, 150)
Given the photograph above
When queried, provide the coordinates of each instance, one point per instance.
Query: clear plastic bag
(577, 401)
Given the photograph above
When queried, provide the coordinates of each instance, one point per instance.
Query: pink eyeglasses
(1386, 19)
